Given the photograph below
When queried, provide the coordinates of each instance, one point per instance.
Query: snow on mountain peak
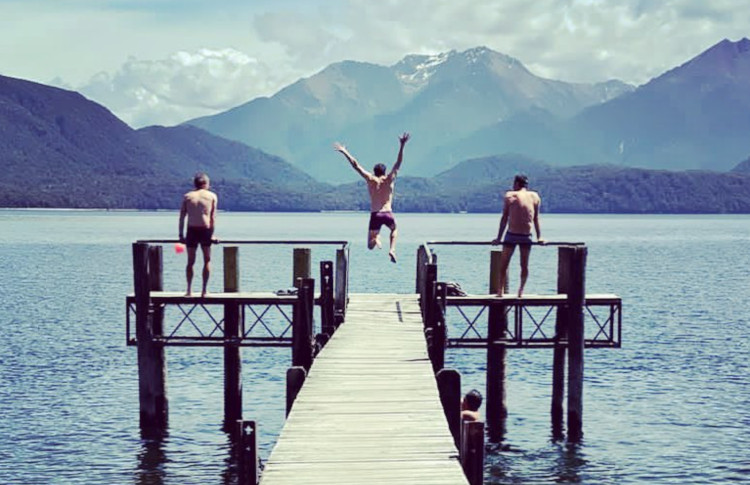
(415, 70)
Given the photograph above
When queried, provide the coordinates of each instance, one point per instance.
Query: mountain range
(477, 103)
(439, 99)
(59, 149)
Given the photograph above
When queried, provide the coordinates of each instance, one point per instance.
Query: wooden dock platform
(369, 411)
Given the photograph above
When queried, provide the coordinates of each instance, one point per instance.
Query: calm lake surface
(671, 406)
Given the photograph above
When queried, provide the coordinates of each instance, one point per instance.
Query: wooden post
(440, 332)
(496, 410)
(341, 285)
(301, 264)
(429, 296)
(152, 369)
(232, 335)
(156, 283)
(561, 335)
(295, 378)
(302, 320)
(328, 324)
(421, 262)
(576, 303)
(449, 385)
(249, 471)
(472, 451)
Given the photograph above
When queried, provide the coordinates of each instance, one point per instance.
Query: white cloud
(259, 47)
(183, 86)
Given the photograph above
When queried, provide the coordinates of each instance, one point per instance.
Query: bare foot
(500, 293)
(520, 292)
(204, 293)
(188, 293)
(392, 256)
(377, 242)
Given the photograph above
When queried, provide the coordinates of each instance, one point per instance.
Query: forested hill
(59, 149)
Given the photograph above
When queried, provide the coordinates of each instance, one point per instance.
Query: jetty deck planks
(369, 411)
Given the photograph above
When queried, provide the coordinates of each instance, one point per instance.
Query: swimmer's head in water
(473, 400)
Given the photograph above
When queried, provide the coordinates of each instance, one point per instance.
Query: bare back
(522, 206)
(381, 192)
(200, 208)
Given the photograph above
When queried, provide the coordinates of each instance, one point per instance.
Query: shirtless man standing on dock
(520, 212)
(380, 187)
(199, 206)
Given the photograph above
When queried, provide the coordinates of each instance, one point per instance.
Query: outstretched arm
(355, 165)
(402, 140)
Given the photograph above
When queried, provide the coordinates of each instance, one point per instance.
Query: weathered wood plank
(369, 411)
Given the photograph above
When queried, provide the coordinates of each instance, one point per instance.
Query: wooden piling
(327, 311)
(301, 267)
(295, 379)
(302, 322)
(496, 410)
(449, 385)
(232, 334)
(249, 470)
(427, 299)
(152, 369)
(156, 283)
(472, 451)
(440, 331)
(576, 303)
(341, 285)
(561, 335)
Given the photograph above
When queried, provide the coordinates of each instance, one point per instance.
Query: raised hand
(403, 138)
(339, 147)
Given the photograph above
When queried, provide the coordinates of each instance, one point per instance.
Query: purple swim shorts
(378, 219)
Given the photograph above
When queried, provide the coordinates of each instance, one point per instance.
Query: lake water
(671, 406)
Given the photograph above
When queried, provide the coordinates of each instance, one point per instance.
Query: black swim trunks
(379, 219)
(514, 238)
(198, 235)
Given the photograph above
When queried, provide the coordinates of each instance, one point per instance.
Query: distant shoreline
(498, 213)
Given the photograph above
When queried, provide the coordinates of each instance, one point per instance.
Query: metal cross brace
(602, 330)
(538, 324)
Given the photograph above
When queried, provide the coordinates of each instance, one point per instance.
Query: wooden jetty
(369, 399)
(369, 410)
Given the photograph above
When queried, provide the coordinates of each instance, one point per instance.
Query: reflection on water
(560, 463)
(151, 461)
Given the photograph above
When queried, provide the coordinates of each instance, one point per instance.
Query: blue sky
(164, 61)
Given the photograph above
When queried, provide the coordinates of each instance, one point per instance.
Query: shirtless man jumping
(380, 187)
(199, 206)
(520, 212)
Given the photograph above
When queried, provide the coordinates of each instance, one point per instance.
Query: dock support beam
(559, 353)
(472, 451)
(449, 386)
(576, 303)
(302, 325)
(327, 312)
(249, 471)
(341, 285)
(232, 334)
(496, 410)
(152, 367)
(295, 379)
(301, 266)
